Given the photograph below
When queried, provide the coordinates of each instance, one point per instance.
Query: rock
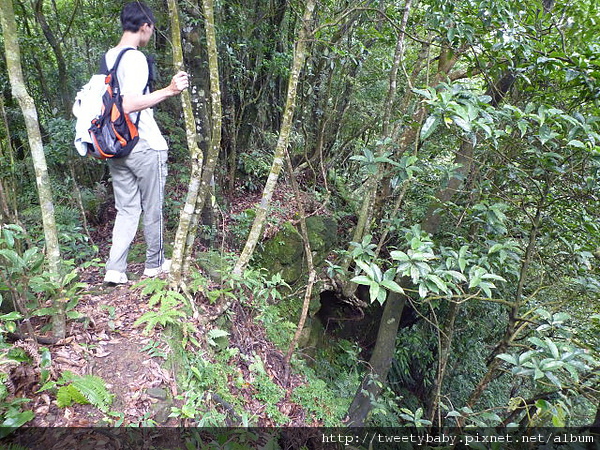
(284, 252)
(213, 264)
(158, 393)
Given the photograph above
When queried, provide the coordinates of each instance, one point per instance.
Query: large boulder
(284, 252)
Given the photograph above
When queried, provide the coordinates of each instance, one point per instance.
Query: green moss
(284, 252)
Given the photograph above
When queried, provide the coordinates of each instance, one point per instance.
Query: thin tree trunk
(372, 186)
(511, 331)
(202, 170)
(8, 200)
(214, 147)
(282, 142)
(63, 78)
(312, 274)
(13, 62)
(446, 335)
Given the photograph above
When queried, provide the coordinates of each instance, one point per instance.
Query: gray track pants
(138, 183)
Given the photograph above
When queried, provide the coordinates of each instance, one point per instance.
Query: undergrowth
(223, 382)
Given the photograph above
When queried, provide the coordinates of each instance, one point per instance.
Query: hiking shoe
(115, 277)
(165, 268)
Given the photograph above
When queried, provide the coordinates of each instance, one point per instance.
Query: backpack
(102, 128)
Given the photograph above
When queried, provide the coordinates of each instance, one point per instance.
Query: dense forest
(379, 213)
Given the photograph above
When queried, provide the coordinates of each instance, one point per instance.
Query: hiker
(139, 179)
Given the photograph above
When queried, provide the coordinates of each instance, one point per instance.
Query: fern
(169, 311)
(85, 390)
(162, 317)
(67, 395)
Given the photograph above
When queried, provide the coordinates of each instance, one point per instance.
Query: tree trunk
(8, 198)
(202, 169)
(196, 156)
(63, 78)
(13, 62)
(372, 186)
(380, 362)
(312, 274)
(282, 142)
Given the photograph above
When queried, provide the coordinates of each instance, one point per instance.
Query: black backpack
(113, 134)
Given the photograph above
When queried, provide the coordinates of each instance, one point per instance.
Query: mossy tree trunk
(282, 141)
(202, 172)
(13, 63)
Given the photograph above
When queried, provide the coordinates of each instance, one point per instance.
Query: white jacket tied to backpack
(87, 106)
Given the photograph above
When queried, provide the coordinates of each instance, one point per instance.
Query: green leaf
(381, 296)
(537, 342)
(217, 333)
(524, 357)
(462, 123)
(392, 286)
(14, 315)
(575, 143)
(374, 291)
(399, 256)
(429, 127)
(69, 394)
(365, 268)
(495, 248)
(457, 275)
(553, 348)
(438, 282)
(508, 358)
(361, 279)
(17, 419)
(377, 275)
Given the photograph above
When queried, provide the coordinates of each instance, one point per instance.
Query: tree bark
(9, 212)
(380, 362)
(312, 274)
(196, 156)
(282, 142)
(201, 177)
(63, 78)
(13, 62)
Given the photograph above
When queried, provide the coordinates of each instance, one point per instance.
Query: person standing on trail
(139, 179)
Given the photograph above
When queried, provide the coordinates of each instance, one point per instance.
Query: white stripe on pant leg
(161, 184)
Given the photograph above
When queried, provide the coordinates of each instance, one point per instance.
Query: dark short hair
(134, 15)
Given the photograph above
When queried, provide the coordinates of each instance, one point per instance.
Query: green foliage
(371, 162)
(554, 363)
(440, 274)
(256, 166)
(323, 403)
(269, 394)
(23, 276)
(169, 308)
(65, 290)
(88, 389)
(18, 264)
(69, 394)
(12, 411)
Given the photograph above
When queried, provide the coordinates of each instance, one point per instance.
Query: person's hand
(179, 82)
